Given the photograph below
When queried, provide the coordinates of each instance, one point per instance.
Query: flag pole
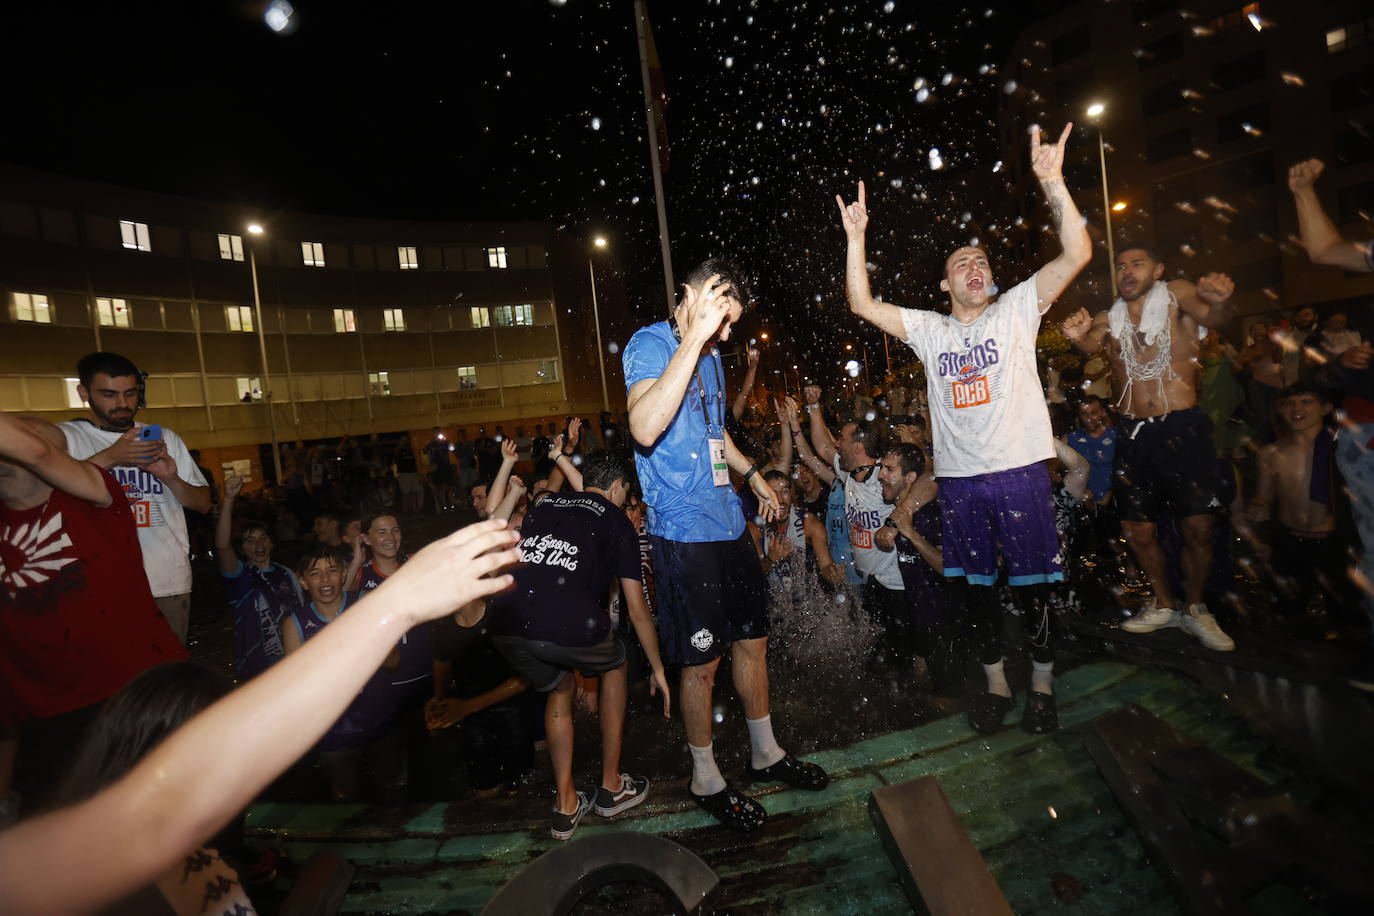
(640, 27)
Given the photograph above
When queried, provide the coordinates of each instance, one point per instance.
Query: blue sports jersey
(837, 534)
(373, 711)
(260, 600)
(1101, 455)
(683, 503)
(416, 648)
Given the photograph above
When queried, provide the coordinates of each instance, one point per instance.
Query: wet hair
(111, 364)
(773, 475)
(135, 721)
(1134, 245)
(911, 458)
(605, 466)
(370, 520)
(871, 435)
(315, 555)
(944, 270)
(729, 272)
(252, 525)
(1086, 399)
(1298, 389)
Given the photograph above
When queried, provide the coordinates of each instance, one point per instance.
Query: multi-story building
(368, 326)
(1205, 105)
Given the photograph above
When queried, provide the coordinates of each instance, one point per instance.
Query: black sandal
(796, 773)
(732, 808)
(1042, 714)
(986, 712)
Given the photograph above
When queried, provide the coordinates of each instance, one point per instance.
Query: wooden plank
(320, 887)
(937, 862)
(1205, 876)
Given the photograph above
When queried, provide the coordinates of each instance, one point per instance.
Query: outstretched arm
(1319, 235)
(821, 440)
(35, 446)
(497, 494)
(854, 218)
(224, 527)
(211, 767)
(1209, 302)
(804, 453)
(784, 462)
(1047, 162)
(741, 399)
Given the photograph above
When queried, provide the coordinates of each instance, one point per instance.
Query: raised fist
(812, 394)
(1077, 324)
(1302, 175)
(1215, 288)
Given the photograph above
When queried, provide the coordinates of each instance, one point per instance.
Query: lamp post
(598, 242)
(1095, 111)
(255, 229)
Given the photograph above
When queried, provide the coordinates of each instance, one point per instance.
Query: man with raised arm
(710, 589)
(991, 431)
(1165, 459)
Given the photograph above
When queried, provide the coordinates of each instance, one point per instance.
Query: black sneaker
(564, 825)
(633, 790)
(796, 773)
(986, 712)
(1042, 714)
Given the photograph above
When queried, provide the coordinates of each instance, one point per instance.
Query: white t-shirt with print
(157, 512)
(987, 408)
(865, 512)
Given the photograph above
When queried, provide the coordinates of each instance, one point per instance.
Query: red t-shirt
(77, 619)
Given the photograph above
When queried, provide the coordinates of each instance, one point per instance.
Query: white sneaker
(1150, 619)
(1202, 625)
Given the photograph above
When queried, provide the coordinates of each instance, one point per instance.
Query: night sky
(533, 109)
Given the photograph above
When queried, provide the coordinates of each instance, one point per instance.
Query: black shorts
(543, 663)
(1166, 466)
(709, 594)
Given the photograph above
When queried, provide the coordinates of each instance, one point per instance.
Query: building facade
(1205, 107)
(369, 326)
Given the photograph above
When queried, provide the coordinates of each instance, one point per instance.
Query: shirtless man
(1295, 488)
(991, 430)
(1165, 460)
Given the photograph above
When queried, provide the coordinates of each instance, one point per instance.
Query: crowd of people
(660, 543)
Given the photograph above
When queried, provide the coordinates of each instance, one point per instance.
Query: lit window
(134, 235)
(74, 396)
(496, 257)
(32, 307)
(312, 253)
(250, 390)
(231, 247)
(407, 257)
(394, 319)
(548, 370)
(467, 377)
(343, 321)
(481, 317)
(508, 316)
(379, 384)
(114, 313)
(238, 317)
(1335, 41)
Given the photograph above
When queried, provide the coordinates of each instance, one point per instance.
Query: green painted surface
(1035, 806)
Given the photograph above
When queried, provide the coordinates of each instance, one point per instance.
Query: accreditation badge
(720, 471)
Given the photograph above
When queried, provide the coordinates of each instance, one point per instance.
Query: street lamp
(1095, 111)
(599, 242)
(255, 229)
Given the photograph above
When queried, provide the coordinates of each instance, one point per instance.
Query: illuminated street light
(600, 243)
(763, 336)
(1119, 206)
(255, 229)
(1095, 111)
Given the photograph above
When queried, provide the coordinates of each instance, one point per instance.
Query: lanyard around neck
(701, 389)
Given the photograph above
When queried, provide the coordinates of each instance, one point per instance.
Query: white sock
(706, 778)
(997, 680)
(763, 746)
(1042, 677)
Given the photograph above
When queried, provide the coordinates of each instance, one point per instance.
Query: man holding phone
(153, 466)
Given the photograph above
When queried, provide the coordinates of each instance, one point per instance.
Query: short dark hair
(944, 268)
(252, 525)
(370, 520)
(871, 434)
(315, 555)
(111, 364)
(911, 458)
(1298, 389)
(330, 514)
(729, 272)
(1136, 245)
(480, 483)
(773, 474)
(605, 466)
(1085, 399)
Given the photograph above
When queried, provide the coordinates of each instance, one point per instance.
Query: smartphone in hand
(151, 433)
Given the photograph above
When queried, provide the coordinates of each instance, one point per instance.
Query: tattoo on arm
(1054, 194)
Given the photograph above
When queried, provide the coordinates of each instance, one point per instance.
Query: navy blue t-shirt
(576, 546)
(260, 601)
(1101, 454)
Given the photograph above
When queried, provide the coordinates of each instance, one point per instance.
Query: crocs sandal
(732, 808)
(986, 712)
(796, 773)
(1041, 716)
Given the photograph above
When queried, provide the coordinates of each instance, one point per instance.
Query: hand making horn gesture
(854, 216)
(1047, 159)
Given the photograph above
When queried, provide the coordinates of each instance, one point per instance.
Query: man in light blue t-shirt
(710, 587)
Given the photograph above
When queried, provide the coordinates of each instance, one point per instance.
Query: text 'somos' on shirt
(987, 408)
(575, 546)
(157, 512)
(683, 503)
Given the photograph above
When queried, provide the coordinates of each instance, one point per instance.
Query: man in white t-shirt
(159, 477)
(991, 430)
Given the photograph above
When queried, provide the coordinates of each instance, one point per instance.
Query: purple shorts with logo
(1009, 510)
